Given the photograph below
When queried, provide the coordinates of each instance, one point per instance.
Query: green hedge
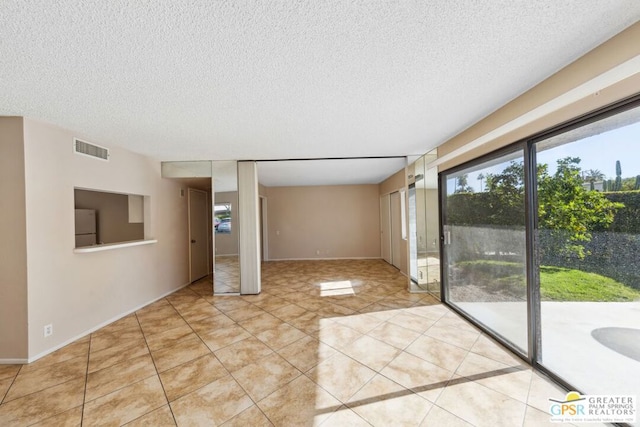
(482, 209)
(613, 252)
(626, 220)
(485, 209)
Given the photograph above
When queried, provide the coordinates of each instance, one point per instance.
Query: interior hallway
(327, 343)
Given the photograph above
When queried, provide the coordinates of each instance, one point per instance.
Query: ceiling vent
(87, 149)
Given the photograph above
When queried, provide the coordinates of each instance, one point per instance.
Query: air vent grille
(91, 150)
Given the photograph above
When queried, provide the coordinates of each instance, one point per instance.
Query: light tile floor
(332, 343)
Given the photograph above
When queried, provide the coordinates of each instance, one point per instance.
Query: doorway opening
(198, 234)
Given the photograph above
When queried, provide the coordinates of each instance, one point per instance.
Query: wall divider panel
(249, 218)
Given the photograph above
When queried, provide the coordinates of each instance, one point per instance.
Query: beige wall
(395, 182)
(112, 215)
(338, 221)
(79, 291)
(13, 242)
(227, 244)
(610, 54)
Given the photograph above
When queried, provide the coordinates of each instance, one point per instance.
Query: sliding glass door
(588, 194)
(541, 246)
(485, 246)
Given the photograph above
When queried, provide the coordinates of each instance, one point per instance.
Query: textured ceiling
(189, 80)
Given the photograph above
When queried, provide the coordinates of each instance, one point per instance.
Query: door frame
(445, 241)
(189, 192)
(385, 227)
(395, 209)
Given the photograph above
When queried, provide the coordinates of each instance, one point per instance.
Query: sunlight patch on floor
(332, 289)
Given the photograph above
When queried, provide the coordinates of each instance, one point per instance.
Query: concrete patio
(568, 346)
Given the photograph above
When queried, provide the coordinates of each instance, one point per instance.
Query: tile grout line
(2, 402)
(198, 335)
(452, 414)
(255, 403)
(41, 390)
(86, 381)
(210, 351)
(312, 300)
(156, 368)
(274, 391)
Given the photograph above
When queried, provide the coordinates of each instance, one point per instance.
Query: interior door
(198, 235)
(385, 227)
(396, 230)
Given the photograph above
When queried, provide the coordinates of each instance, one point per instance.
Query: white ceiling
(264, 79)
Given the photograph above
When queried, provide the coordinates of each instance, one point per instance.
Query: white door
(385, 227)
(396, 230)
(198, 235)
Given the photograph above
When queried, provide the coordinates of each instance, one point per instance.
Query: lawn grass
(556, 283)
(564, 284)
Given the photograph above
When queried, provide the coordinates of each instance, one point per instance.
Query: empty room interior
(337, 213)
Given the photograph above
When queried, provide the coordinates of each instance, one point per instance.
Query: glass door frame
(532, 260)
(523, 146)
(578, 122)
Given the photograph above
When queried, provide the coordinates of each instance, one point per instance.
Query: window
(222, 218)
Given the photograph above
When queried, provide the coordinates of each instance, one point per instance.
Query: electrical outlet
(318, 252)
(48, 330)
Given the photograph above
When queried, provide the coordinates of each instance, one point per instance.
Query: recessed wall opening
(103, 217)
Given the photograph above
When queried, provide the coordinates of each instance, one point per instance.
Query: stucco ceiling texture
(188, 80)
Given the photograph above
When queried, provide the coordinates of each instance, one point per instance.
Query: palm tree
(480, 178)
(593, 175)
(463, 184)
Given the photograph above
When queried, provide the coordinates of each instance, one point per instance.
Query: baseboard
(101, 325)
(323, 259)
(13, 361)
